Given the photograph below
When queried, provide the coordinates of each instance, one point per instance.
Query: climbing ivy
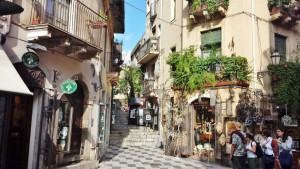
(286, 83)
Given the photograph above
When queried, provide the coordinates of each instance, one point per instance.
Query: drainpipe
(181, 27)
(253, 42)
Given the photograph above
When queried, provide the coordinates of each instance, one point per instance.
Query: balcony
(198, 10)
(153, 11)
(148, 51)
(113, 70)
(69, 27)
(285, 15)
(115, 62)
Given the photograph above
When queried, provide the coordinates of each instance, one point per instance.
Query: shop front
(204, 130)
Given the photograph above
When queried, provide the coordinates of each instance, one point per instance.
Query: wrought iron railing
(150, 46)
(70, 16)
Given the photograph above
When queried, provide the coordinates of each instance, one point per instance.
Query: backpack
(259, 152)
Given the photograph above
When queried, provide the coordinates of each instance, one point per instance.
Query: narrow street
(142, 157)
(133, 147)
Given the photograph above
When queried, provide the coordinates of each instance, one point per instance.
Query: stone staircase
(123, 134)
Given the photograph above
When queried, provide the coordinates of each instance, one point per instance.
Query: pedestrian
(285, 148)
(270, 150)
(251, 149)
(237, 152)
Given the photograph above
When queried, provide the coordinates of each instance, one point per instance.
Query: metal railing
(70, 16)
(150, 46)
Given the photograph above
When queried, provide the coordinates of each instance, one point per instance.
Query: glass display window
(204, 129)
(64, 125)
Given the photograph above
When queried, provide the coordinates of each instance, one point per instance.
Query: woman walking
(251, 149)
(285, 148)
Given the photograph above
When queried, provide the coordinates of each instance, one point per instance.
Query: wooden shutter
(280, 45)
(211, 37)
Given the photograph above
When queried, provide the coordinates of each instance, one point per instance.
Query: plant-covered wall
(190, 72)
(286, 83)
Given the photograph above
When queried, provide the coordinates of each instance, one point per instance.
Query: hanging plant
(190, 72)
(210, 5)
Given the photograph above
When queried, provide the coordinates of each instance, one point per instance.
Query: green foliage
(130, 82)
(211, 5)
(278, 2)
(103, 16)
(286, 83)
(191, 72)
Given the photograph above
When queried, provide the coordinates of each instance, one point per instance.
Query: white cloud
(121, 37)
(126, 57)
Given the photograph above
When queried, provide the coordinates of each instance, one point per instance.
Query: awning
(10, 80)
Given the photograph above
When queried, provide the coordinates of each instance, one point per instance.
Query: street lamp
(275, 57)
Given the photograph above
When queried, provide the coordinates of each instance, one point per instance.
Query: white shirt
(287, 145)
(268, 146)
(250, 154)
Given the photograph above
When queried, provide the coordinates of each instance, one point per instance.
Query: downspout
(253, 42)
(181, 27)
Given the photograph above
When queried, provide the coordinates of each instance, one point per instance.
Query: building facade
(61, 52)
(201, 122)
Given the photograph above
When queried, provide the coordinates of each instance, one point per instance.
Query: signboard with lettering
(68, 86)
(30, 59)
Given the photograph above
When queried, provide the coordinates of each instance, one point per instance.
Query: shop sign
(69, 86)
(30, 59)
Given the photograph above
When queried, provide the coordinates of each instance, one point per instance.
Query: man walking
(237, 152)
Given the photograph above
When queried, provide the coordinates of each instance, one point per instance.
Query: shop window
(204, 128)
(64, 125)
(211, 43)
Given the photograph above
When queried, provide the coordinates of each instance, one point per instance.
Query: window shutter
(280, 45)
(211, 37)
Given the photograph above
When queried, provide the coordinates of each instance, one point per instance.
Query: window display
(204, 130)
(64, 119)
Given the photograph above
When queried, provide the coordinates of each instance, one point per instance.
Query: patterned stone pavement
(141, 157)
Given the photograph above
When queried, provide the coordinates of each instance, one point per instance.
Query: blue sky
(134, 24)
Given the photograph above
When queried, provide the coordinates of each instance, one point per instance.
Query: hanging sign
(68, 86)
(96, 24)
(30, 59)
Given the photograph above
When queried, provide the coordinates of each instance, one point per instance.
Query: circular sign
(30, 59)
(68, 86)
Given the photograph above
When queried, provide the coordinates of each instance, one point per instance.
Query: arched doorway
(69, 126)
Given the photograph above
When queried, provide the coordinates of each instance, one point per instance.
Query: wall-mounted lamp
(275, 58)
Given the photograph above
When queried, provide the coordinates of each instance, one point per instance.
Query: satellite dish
(8, 8)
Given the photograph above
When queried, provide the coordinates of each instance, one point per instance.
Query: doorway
(18, 132)
(204, 134)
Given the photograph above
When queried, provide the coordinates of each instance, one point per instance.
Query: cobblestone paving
(140, 157)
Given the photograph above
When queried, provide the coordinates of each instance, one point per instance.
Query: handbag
(285, 158)
(268, 159)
